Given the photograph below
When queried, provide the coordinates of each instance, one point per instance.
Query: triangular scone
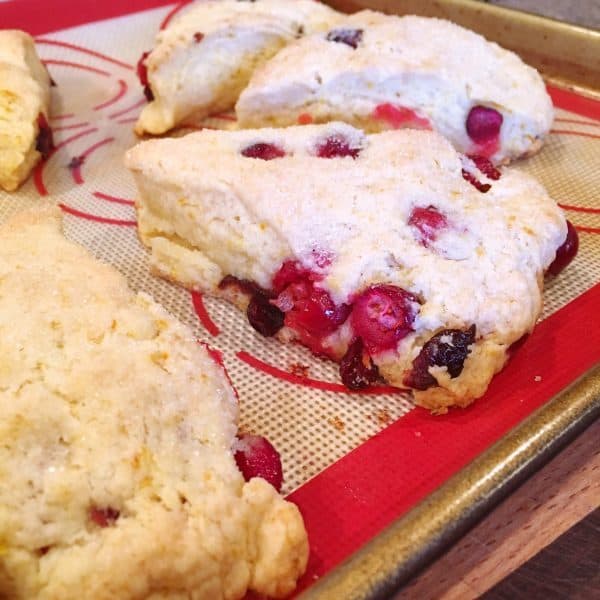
(24, 103)
(117, 430)
(382, 72)
(204, 59)
(385, 247)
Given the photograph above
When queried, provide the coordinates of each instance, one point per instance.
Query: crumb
(383, 417)
(337, 423)
(76, 162)
(299, 370)
(418, 434)
(537, 378)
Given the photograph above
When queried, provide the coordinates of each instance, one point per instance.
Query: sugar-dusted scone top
(207, 211)
(432, 67)
(204, 59)
(24, 96)
(117, 428)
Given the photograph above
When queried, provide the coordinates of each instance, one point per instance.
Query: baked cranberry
(142, 73)
(382, 315)
(428, 221)
(566, 252)
(103, 517)
(483, 124)
(350, 37)
(356, 367)
(449, 348)
(266, 318)
(256, 457)
(482, 187)
(44, 143)
(400, 116)
(336, 146)
(263, 151)
(291, 271)
(485, 166)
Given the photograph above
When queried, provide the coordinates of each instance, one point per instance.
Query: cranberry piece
(566, 252)
(483, 124)
(44, 143)
(400, 116)
(305, 119)
(382, 315)
(263, 151)
(482, 187)
(103, 517)
(485, 166)
(142, 73)
(357, 370)
(76, 162)
(448, 348)
(198, 37)
(350, 37)
(243, 285)
(256, 457)
(266, 318)
(336, 146)
(291, 271)
(429, 221)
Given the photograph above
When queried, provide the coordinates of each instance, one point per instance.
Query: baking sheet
(285, 393)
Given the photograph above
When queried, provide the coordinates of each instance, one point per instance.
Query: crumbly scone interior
(117, 430)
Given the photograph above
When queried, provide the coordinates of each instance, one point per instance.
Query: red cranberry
(336, 146)
(44, 143)
(400, 116)
(485, 166)
(483, 124)
(291, 271)
(448, 348)
(256, 457)
(382, 315)
(350, 37)
(103, 517)
(356, 367)
(429, 221)
(142, 73)
(198, 37)
(263, 151)
(566, 252)
(482, 187)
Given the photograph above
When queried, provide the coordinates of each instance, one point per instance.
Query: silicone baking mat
(353, 462)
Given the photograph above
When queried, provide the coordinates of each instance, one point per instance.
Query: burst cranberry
(256, 457)
(266, 318)
(482, 187)
(44, 143)
(142, 73)
(263, 151)
(449, 348)
(400, 116)
(291, 271)
(566, 252)
(356, 367)
(485, 166)
(350, 37)
(382, 315)
(483, 124)
(428, 221)
(103, 517)
(336, 146)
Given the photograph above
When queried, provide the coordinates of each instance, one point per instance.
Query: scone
(389, 252)
(25, 136)
(204, 59)
(118, 432)
(380, 72)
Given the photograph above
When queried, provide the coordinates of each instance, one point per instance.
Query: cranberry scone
(25, 136)
(388, 252)
(118, 438)
(379, 72)
(204, 59)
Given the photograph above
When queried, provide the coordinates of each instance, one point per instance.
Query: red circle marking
(577, 122)
(173, 12)
(76, 170)
(217, 357)
(38, 173)
(89, 217)
(122, 91)
(584, 209)
(125, 121)
(259, 365)
(587, 229)
(114, 199)
(85, 51)
(580, 133)
(203, 315)
(126, 110)
(75, 126)
(68, 63)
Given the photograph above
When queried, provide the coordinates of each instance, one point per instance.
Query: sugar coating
(207, 211)
(431, 66)
(106, 401)
(24, 94)
(196, 75)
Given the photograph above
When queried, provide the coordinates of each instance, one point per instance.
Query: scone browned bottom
(117, 430)
(391, 253)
